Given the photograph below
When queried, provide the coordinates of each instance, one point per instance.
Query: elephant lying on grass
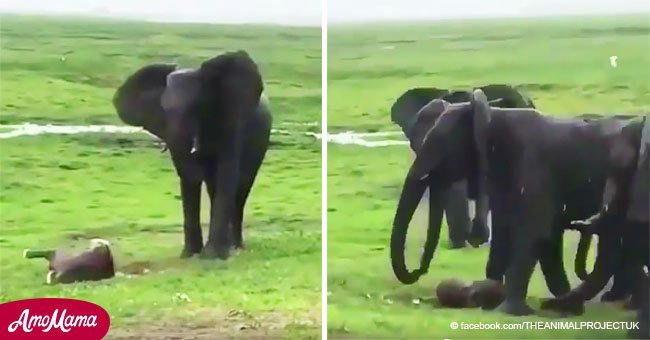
(216, 124)
(536, 172)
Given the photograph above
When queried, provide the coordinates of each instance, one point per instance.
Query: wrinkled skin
(415, 113)
(530, 166)
(404, 113)
(216, 124)
(622, 223)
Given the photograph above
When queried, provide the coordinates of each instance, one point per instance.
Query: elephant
(216, 123)
(623, 222)
(533, 168)
(404, 111)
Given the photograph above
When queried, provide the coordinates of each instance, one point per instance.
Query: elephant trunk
(481, 121)
(606, 259)
(580, 262)
(412, 192)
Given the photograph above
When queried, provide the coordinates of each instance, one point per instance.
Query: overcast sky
(365, 10)
(286, 12)
(308, 12)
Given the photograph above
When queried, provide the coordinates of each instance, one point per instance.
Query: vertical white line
(324, 168)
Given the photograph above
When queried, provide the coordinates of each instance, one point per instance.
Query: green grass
(562, 64)
(60, 190)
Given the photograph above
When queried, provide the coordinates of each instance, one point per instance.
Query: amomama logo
(53, 318)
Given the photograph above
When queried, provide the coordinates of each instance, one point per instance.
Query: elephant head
(211, 103)
(404, 110)
(203, 102)
(451, 149)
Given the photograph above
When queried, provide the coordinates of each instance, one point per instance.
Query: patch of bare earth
(236, 324)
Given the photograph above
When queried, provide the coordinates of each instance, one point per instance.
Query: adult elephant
(405, 112)
(623, 222)
(455, 204)
(216, 124)
(538, 171)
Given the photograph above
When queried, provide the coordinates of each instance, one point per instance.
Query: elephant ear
(511, 98)
(425, 118)
(458, 97)
(181, 92)
(404, 110)
(443, 137)
(137, 100)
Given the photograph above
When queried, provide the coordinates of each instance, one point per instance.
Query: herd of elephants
(536, 175)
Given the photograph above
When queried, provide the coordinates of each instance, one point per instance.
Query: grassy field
(60, 190)
(562, 64)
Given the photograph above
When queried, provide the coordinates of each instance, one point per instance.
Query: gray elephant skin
(216, 124)
(623, 224)
(538, 180)
(404, 113)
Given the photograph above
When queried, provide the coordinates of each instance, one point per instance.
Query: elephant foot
(479, 234)
(457, 245)
(215, 251)
(238, 244)
(567, 304)
(613, 296)
(190, 251)
(632, 304)
(516, 308)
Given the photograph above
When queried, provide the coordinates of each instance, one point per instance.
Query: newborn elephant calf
(216, 124)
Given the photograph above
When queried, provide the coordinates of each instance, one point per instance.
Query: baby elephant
(454, 293)
(94, 264)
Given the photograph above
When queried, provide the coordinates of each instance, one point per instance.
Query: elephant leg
(607, 258)
(552, 263)
(243, 190)
(643, 314)
(623, 282)
(457, 214)
(210, 179)
(499, 255)
(253, 155)
(227, 174)
(189, 174)
(518, 274)
(634, 301)
(191, 197)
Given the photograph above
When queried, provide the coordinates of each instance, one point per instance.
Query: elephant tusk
(195, 144)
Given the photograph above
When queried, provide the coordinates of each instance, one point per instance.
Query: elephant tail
(580, 263)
